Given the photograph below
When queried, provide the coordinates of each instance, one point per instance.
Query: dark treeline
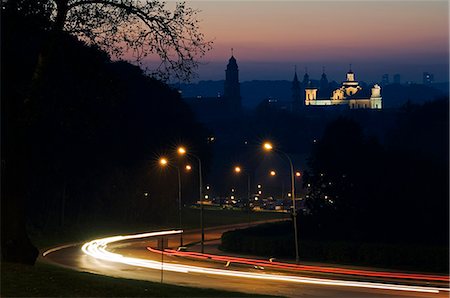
(81, 135)
(360, 189)
(376, 188)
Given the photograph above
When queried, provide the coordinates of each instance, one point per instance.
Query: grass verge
(44, 280)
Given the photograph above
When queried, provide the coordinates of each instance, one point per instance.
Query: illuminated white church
(350, 94)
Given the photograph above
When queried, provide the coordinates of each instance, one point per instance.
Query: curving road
(136, 257)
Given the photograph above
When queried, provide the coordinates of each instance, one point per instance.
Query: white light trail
(98, 249)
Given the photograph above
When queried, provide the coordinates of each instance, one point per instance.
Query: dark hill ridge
(253, 92)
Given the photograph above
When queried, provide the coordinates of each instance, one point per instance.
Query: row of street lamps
(267, 146)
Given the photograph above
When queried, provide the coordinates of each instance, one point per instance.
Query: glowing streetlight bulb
(188, 167)
(181, 150)
(298, 174)
(163, 161)
(272, 173)
(267, 146)
(237, 169)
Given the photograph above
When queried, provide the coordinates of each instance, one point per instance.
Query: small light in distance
(272, 173)
(298, 174)
(259, 185)
(237, 169)
(188, 167)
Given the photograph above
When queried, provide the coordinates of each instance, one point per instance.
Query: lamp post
(164, 162)
(238, 170)
(182, 151)
(267, 146)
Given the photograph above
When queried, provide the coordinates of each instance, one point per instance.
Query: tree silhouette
(63, 105)
(128, 27)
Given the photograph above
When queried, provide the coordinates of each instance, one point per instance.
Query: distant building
(209, 108)
(385, 79)
(397, 78)
(297, 102)
(232, 89)
(428, 78)
(350, 94)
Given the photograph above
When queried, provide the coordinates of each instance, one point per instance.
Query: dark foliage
(80, 135)
(359, 189)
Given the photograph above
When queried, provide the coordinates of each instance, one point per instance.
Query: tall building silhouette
(232, 89)
(297, 102)
(324, 81)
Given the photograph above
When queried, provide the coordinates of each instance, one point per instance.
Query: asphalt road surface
(132, 259)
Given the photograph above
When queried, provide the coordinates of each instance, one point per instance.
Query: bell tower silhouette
(232, 89)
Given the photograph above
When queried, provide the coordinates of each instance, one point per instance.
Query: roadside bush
(264, 240)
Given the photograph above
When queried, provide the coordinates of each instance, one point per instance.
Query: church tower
(232, 93)
(306, 79)
(324, 81)
(297, 101)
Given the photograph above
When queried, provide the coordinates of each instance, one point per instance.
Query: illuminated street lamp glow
(163, 161)
(298, 174)
(267, 146)
(181, 150)
(259, 185)
(188, 167)
(237, 169)
(272, 173)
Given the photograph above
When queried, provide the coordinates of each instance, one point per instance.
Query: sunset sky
(270, 37)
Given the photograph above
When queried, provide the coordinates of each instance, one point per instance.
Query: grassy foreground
(43, 280)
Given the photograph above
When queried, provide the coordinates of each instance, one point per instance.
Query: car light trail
(279, 265)
(98, 249)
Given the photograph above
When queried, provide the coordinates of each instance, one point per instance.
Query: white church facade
(349, 94)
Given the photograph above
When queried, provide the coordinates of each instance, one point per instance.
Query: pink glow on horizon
(289, 30)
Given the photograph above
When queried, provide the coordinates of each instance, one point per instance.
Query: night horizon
(209, 148)
(268, 38)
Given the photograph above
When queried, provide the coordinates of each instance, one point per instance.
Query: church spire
(296, 92)
(232, 93)
(295, 74)
(306, 78)
(323, 81)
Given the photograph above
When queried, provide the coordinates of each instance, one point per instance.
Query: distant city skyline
(377, 37)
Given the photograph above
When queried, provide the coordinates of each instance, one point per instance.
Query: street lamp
(164, 162)
(238, 170)
(267, 146)
(182, 151)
